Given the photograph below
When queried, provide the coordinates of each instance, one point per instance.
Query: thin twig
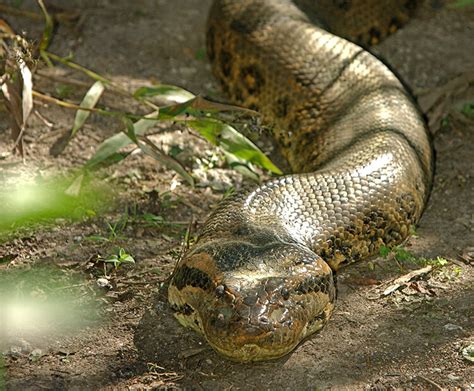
(436, 385)
(43, 119)
(67, 105)
(73, 106)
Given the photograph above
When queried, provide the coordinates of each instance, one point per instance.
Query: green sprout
(118, 259)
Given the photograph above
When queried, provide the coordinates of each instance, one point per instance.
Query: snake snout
(258, 323)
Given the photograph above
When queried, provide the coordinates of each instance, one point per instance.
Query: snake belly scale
(260, 278)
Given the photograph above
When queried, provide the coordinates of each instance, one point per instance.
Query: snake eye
(285, 293)
(220, 290)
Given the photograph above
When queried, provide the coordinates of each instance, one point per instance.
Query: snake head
(259, 308)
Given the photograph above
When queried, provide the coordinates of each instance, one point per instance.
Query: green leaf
(108, 150)
(232, 142)
(48, 28)
(175, 150)
(384, 251)
(199, 107)
(172, 111)
(170, 92)
(468, 109)
(152, 218)
(90, 100)
(69, 63)
(110, 147)
(118, 259)
(240, 165)
(29, 203)
(403, 255)
(438, 262)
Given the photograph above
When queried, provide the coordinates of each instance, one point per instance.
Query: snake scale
(260, 278)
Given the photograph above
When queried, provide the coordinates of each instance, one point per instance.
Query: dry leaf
(16, 83)
(403, 280)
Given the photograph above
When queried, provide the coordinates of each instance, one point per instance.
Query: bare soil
(410, 339)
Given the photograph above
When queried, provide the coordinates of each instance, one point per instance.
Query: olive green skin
(260, 278)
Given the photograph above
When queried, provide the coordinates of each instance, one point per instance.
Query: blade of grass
(77, 67)
(48, 29)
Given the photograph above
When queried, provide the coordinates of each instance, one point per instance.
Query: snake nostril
(220, 320)
(220, 290)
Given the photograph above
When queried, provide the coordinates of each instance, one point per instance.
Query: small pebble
(452, 327)
(103, 283)
(36, 354)
(15, 351)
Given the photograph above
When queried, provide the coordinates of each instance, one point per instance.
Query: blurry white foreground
(41, 304)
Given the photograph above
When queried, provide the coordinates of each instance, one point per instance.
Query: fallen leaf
(467, 255)
(403, 280)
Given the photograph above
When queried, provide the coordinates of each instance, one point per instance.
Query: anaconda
(260, 278)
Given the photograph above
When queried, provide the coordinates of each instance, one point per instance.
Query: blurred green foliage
(26, 202)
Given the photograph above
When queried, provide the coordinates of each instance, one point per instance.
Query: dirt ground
(411, 339)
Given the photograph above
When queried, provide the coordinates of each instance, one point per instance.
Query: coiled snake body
(260, 278)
